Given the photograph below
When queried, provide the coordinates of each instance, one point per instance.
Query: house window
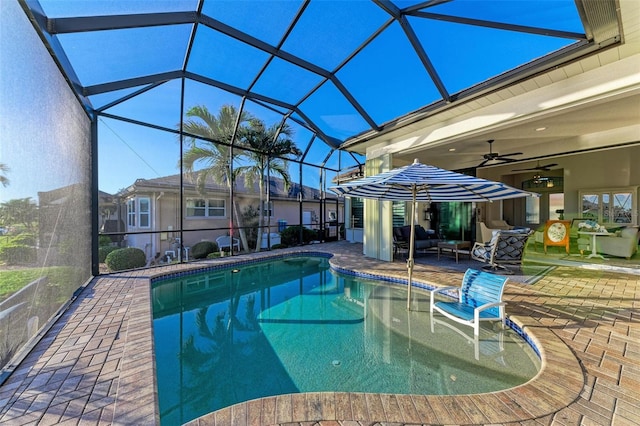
(144, 213)
(609, 206)
(398, 212)
(267, 210)
(206, 208)
(556, 206)
(533, 210)
(139, 212)
(131, 212)
(216, 208)
(357, 213)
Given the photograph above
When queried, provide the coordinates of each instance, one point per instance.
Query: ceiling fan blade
(494, 156)
(510, 155)
(545, 168)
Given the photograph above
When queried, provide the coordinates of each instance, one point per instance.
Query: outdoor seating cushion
(424, 239)
(623, 245)
(499, 224)
(421, 233)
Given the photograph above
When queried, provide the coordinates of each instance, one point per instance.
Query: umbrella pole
(411, 243)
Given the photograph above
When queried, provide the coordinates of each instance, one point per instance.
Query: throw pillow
(421, 234)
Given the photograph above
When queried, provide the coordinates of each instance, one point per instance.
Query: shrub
(202, 249)
(290, 236)
(104, 240)
(103, 251)
(278, 246)
(125, 258)
(24, 239)
(14, 254)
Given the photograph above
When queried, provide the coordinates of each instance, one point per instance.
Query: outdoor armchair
(505, 248)
(226, 243)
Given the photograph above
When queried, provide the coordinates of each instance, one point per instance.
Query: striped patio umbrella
(421, 182)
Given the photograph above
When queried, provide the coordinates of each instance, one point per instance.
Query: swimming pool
(293, 325)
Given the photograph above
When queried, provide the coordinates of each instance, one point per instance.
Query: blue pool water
(292, 325)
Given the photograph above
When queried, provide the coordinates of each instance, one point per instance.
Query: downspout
(157, 226)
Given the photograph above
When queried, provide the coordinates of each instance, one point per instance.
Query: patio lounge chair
(225, 243)
(479, 299)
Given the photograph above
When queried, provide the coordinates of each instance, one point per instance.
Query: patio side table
(453, 247)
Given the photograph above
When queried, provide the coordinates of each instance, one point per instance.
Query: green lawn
(13, 280)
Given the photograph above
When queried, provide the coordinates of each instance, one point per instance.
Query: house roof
(172, 183)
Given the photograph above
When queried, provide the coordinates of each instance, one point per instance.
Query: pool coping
(539, 397)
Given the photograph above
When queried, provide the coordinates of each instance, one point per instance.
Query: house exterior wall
(162, 236)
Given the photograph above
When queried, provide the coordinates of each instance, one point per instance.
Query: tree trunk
(241, 230)
(260, 215)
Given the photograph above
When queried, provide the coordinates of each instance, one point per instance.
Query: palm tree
(4, 169)
(217, 158)
(268, 146)
(20, 211)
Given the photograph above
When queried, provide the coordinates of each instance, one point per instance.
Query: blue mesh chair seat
(505, 248)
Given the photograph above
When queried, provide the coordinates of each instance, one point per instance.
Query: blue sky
(386, 78)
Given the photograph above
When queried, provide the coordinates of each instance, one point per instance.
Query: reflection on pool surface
(292, 325)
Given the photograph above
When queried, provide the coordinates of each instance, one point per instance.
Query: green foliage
(278, 246)
(14, 280)
(125, 258)
(23, 211)
(213, 255)
(202, 249)
(250, 220)
(103, 251)
(14, 254)
(104, 240)
(23, 239)
(18, 249)
(291, 236)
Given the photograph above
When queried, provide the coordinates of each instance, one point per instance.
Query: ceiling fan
(546, 167)
(494, 156)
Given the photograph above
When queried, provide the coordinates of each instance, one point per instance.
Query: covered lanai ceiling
(348, 71)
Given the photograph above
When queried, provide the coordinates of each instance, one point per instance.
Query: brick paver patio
(95, 366)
